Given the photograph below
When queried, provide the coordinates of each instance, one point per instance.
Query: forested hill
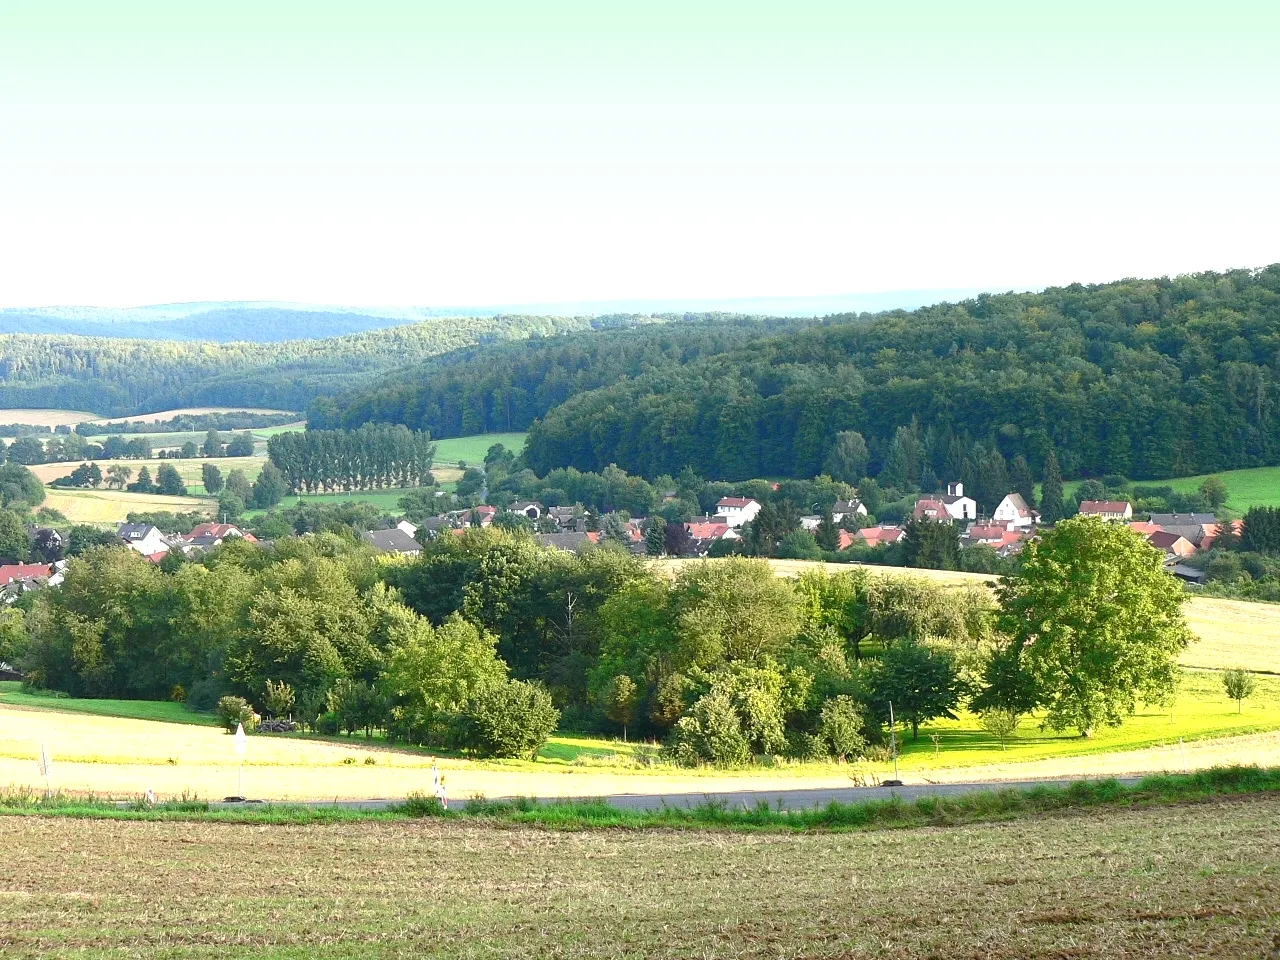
(1145, 378)
(505, 387)
(118, 377)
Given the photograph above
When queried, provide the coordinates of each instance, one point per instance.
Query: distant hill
(267, 322)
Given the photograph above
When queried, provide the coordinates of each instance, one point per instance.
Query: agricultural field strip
(1184, 880)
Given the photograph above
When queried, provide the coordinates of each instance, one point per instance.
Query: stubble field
(1195, 880)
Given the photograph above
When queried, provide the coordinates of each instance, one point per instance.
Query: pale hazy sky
(484, 153)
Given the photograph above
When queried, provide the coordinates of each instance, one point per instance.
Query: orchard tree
(620, 699)
(1096, 623)
(1214, 490)
(1239, 686)
(921, 682)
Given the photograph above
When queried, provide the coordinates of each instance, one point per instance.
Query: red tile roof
(874, 536)
(734, 501)
(1103, 506)
(708, 530)
(23, 571)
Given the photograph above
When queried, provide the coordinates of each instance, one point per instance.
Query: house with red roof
(1174, 545)
(1014, 513)
(21, 572)
(1109, 510)
(879, 536)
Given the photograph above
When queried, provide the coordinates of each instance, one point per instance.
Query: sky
(423, 153)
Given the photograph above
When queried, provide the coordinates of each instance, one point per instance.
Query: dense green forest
(1140, 378)
(505, 387)
(118, 377)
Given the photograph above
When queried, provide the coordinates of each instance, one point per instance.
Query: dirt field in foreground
(1198, 880)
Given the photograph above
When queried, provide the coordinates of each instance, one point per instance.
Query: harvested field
(1194, 880)
(112, 506)
(45, 418)
(189, 411)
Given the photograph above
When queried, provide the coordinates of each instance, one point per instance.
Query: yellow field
(46, 418)
(112, 506)
(1233, 633)
(189, 470)
(182, 411)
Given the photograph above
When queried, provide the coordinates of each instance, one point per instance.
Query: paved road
(786, 799)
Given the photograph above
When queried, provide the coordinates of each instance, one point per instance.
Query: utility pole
(893, 748)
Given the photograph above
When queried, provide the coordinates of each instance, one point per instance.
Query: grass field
(473, 449)
(1176, 881)
(124, 747)
(1255, 487)
(113, 506)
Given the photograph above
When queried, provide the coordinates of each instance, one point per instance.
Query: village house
(735, 511)
(711, 528)
(568, 519)
(529, 508)
(394, 540)
(408, 528)
(879, 536)
(22, 572)
(1014, 514)
(145, 539)
(851, 509)
(811, 522)
(1174, 545)
(1109, 510)
(946, 507)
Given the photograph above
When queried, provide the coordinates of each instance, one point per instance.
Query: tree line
(1141, 378)
(118, 377)
(369, 458)
(723, 662)
(503, 387)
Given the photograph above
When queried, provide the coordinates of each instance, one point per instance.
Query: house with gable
(947, 507)
(1014, 514)
(144, 538)
(1113, 511)
(877, 536)
(735, 511)
(851, 509)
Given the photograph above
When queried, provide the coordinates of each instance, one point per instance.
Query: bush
(236, 710)
(204, 694)
(510, 719)
(328, 723)
(807, 747)
(841, 722)
(711, 732)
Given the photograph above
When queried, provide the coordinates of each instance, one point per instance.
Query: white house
(735, 511)
(811, 522)
(847, 508)
(144, 538)
(947, 507)
(1013, 513)
(407, 528)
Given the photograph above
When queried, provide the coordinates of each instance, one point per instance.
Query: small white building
(409, 529)
(144, 538)
(735, 511)
(847, 508)
(1013, 513)
(812, 522)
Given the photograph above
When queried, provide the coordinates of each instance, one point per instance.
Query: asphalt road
(784, 799)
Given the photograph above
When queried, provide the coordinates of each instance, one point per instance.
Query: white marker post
(45, 766)
(242, 744)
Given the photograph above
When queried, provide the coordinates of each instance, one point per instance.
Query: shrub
(328, 723)
(509, 719)
(235, 710)
(1239, 685)
(278, 698)
(841, 722)
(178, 694)
(711, 732)
(205, 694)
(808, 747)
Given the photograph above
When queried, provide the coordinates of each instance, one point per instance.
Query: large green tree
(1097, 623)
